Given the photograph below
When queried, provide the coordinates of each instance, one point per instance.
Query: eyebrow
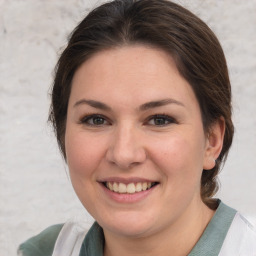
(159, 103)
(94, 104)
(143, 107)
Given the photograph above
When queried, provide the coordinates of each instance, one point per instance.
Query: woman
(141, 107)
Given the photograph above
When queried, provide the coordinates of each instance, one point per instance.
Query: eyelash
(170, 120)
(85, 120)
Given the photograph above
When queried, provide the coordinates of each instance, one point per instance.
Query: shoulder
(41, 244)
(241, 238)
(248, 231)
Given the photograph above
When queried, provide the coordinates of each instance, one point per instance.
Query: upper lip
(126, 180)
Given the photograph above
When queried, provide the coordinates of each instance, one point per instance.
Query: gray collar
(209, 244)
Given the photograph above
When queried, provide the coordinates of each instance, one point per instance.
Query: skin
(128, 142)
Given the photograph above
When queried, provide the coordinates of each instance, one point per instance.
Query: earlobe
(214, 143)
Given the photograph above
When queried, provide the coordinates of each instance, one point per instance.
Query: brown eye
(94, 120)
(160, 120)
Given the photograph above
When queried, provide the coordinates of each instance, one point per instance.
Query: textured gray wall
(35, 191)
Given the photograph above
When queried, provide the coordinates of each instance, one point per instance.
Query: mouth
(130, 188)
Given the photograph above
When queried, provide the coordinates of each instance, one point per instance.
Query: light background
(35, 191)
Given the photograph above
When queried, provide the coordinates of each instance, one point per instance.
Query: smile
(130, 188)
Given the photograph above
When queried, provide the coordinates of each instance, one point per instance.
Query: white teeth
(130, 188)
(144, 185)
(138, 187)
(110, 186)
(122, 188)
(115, 187)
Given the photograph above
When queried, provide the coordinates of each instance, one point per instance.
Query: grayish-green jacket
(227, 234)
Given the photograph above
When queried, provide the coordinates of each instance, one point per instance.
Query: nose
(126, 148)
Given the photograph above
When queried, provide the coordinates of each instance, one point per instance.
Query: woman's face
(134, 140)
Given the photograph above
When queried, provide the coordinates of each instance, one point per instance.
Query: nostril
(125, 154)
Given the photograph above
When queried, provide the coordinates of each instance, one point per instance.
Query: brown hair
(165, 25)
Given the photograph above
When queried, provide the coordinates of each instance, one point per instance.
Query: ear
(214, 143)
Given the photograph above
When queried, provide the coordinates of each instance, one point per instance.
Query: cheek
(83, 154)
(180, 157)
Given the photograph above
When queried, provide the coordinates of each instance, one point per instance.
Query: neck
(178, 238)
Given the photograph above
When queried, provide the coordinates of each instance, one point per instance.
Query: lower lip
(128, 198)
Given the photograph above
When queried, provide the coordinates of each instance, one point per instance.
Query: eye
(95, 120)
(160, 120)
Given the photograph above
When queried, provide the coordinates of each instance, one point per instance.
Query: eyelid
(170, 119)
(86, 117)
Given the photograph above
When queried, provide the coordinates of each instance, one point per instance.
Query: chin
(132, 231)
(128, 224)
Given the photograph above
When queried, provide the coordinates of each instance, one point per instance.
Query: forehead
(139, 72)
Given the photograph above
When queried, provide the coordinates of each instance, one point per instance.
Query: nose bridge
(126, 147)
